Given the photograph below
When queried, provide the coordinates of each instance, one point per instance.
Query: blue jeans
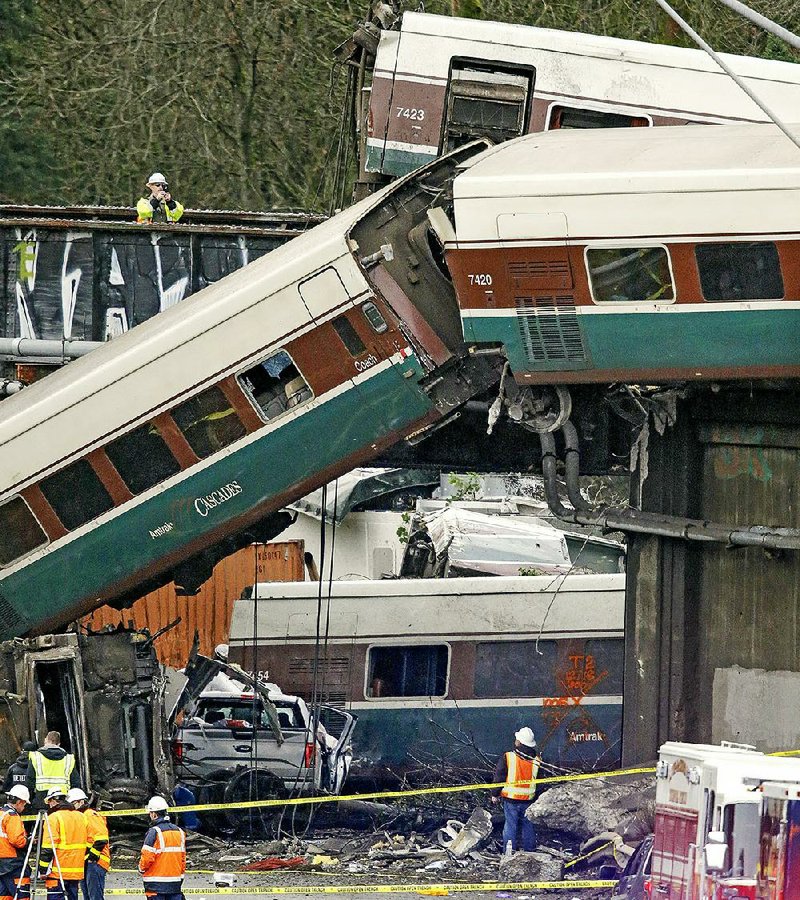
(94, 882)
(515, 819)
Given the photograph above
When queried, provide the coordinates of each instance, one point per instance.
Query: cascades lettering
(204, 505)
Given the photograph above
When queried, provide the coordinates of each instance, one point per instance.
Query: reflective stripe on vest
(68, 830)
(52, 773)
(521, 775)
(97, 830)
(170, 857)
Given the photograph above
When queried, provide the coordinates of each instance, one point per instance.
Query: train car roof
(634, 160)
(453, 608)
(578, 43)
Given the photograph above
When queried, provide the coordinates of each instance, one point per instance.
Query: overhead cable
(763, 22)
(687, 29)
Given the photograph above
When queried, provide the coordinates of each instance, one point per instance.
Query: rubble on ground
(582, 809)
(538, 865)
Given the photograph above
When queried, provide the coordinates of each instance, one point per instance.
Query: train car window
(208, 422)
(418, 671)
(142, 458)
(343, 327)
(275, 385)
(516, 669)
(375, 318)
(746, 270)
(575, 117)
(76, 494)
(630, 275)
(20, 531)
(485, 100)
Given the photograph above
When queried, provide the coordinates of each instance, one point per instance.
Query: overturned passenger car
(105, 694)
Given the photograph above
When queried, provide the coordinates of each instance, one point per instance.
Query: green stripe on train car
(725, 339)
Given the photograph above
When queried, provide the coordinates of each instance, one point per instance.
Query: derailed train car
(630, 256)
(124, 469)
(443, 671)
(105, 694)
(441, 81)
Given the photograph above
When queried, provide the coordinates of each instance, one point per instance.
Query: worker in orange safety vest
(12, 840)
(98, 849)
(64, 837)
(517, 770)
(162, 863)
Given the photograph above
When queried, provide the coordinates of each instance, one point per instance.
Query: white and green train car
(442, 672)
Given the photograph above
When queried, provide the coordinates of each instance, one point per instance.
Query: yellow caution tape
(377, 795)
(440, 889)
(578, 859)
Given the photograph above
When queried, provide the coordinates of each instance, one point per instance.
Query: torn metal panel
(103, 693)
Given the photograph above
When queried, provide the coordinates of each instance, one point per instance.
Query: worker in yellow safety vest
(64, 845)
(50, 767)
(516, 774)
(159, 205)
(98, 848)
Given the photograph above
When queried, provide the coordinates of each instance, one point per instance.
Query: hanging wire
(763, 22)
(687, 29)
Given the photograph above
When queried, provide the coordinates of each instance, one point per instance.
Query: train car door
(485, 99)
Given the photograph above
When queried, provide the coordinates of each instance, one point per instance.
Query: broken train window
(485, 99)
(417, 671)
(275, 385)
(629, 274)
(208, 422)
(20, 531)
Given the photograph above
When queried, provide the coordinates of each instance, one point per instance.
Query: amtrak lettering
(162, 529)
(204, 505)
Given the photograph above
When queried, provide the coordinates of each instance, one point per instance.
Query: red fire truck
(708, 820)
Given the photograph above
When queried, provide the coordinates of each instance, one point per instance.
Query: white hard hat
(157, 804)
(20, 792)
(525, 736)
(74, 794)
(157, 178)
(55, 792)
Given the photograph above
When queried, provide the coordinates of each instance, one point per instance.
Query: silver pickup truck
(236, 738)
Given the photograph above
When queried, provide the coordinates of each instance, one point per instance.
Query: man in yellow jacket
(159, 205)
(64, 841)
(98, 852)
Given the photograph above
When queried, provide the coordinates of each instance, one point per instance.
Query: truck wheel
(250, 785)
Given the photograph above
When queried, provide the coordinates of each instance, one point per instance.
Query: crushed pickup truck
(237, 738)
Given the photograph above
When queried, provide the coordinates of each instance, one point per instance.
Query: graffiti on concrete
(92, 284)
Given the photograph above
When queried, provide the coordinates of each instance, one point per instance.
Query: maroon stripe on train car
(110, 478)
(43, 512)
(411, 98)
(174, 439)
(408, 313)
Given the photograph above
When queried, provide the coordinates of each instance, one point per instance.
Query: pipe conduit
(638, 521)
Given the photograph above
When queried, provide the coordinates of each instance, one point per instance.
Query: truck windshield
(243, 713)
